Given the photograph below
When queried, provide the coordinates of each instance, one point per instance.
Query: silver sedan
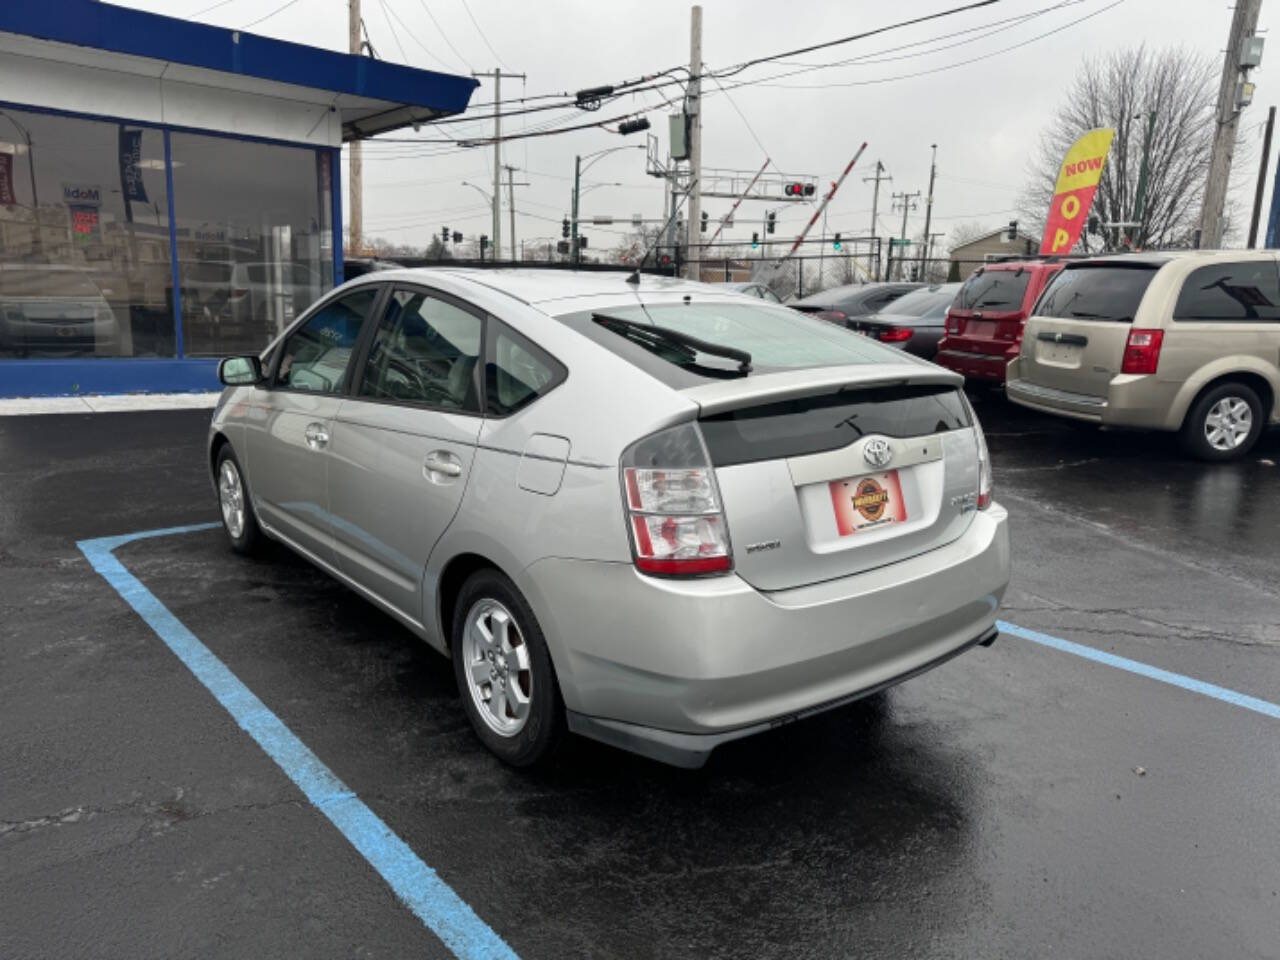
(654, 513)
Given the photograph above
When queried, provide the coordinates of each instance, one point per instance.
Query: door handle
(442, 463)
(316, 436)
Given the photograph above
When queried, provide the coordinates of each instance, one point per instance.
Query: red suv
(984, 324)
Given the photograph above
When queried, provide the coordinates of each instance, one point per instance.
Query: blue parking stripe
(416, 884)
(1243, 700)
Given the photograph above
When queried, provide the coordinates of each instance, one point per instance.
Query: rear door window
(994, 290)
(1248, 290)
(424, 351)
(1102, 292)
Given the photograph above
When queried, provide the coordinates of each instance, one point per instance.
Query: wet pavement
(1019, 801)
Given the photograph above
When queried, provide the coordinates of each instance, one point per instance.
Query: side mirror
(240, 371)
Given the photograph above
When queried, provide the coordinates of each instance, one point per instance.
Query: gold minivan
(1186, 342)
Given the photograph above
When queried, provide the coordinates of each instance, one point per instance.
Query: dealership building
(169, 191)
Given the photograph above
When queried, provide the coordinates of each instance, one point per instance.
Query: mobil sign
(1073, 195)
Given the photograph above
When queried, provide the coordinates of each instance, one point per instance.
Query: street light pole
(573, 219)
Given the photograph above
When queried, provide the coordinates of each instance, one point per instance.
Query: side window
(1231, 291)
(516, 371)
(769, 296)
(316, 355)
(425, 350)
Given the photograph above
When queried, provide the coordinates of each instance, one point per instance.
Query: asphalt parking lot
(1020, 801)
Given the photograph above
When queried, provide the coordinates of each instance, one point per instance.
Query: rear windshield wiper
(669, 337)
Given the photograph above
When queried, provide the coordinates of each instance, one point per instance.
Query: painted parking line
(418, 886)
(1236, 699)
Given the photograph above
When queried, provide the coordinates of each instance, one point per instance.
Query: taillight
(894, 334)
(673, 507)
(984, 461)
(1142, 351)
(832, 316)
(952, 323)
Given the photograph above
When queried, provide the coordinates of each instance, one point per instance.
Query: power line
(213, 6)
(389, 12)
(445, 37)
(386, 15)
(280, 9)
(476, 24)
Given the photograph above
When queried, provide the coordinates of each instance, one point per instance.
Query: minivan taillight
(676, 523)
(1142, 351)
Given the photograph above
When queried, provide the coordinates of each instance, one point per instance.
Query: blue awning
(374, 96)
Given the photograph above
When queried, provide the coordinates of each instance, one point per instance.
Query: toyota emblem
(877, 452)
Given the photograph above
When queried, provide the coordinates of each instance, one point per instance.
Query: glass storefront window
(255, 240)
(84, 239)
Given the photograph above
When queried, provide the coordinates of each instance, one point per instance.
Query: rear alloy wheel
(504, 672)
(233, 499)
(1224, 424)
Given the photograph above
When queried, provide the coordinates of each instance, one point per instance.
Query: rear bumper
(1078, 406)
(975, 366)
(672, 669)
(1132, 400)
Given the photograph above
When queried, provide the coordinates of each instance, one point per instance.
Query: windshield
(994, 290)
(1108, 292)
(923, 303)
(776, 338)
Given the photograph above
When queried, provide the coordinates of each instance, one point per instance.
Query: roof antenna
(634, 277)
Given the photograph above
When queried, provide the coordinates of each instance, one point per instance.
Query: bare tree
(1119, 90)
(966, 232)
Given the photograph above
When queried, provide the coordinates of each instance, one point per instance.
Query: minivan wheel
(504, 672)
(233, 499)
(1224, 424)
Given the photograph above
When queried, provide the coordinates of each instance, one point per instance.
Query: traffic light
(633, 126)
(1012, 233)
(755, 241)
(1093, 225)
(582, 241)
(444, 234)
(793, 190)
(835, 242)
(770, 220)
(703, 227)
(457, 236)
(484, 244)
(564, 227)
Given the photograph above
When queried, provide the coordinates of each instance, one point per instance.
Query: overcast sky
(984, 116)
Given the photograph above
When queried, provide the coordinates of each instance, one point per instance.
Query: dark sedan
(914, 322)
(841, 304)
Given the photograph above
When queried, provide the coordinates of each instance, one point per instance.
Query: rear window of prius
(1097, 291)
(776, 338)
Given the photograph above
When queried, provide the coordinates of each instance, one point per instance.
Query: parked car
(984, 325)
(753, 289)
(1179, 342)
(841, 304)
(54, 309)
(661, 515)
(913, 322)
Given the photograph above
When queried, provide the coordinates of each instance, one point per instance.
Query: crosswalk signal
(564, 227)
(835, 242)
(770, 220)
(755, 241)
(457, 236)
(703, 227)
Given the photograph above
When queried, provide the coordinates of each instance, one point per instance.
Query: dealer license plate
(861, 503)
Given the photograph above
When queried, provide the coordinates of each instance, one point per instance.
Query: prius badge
(877, 452)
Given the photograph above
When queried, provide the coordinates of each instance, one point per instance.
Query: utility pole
(908, 203)
(511, 205)
(928, 208)
(1262, 178)
(1234, 93)
(875, 205)
(693, 108)
(497, 75)
(1140, 198)
(356, 190)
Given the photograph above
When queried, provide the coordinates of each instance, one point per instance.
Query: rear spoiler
(789, 384)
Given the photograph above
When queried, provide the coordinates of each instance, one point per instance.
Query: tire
(491, 617)
(235, 504)
(1224, 423)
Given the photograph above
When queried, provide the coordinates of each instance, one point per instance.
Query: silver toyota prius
(647, 511)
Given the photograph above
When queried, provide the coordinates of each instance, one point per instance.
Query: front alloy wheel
(499, 673)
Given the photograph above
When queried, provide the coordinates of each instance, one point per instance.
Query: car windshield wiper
(1086, 315)
(652, 332)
